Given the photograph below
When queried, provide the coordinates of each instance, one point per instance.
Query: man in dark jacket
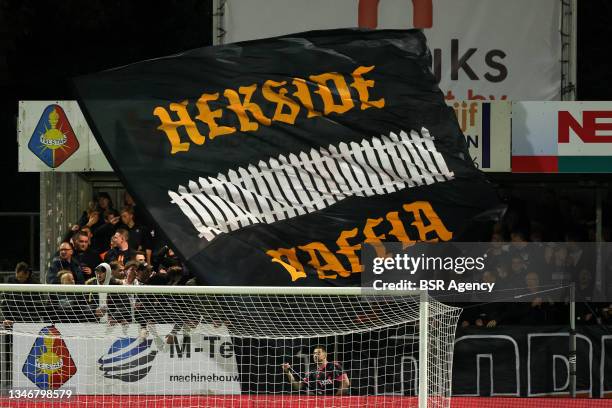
(22, 306)
(66, 261)
(121, 251)
(85, 255)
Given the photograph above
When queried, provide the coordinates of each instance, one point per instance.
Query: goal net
(164, 346)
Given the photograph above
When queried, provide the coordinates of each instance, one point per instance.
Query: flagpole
(572, 342)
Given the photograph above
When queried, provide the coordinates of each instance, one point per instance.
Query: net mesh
(218, 350)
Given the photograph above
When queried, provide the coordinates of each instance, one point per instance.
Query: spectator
(586, 291)
(21, 306)
(484, 315)
(140, 237)
(519, 252)
(152, 308)
(157, 278)
(66, 277)
(104, 233)
(166, 258)
(497, 254)
(519, 239)
(587, 310)
(117, 271)
(65, 261)
(23, 274)
(121, 251)
(86, 256)
(606, 314)
(518, 265)
(87, 230)
(139, 257)
(128, 200)
(91, 219)
(104, 201)
(108, 307)
(70, 307)
(103, 276)
(537, 309)
(139, 215)
(143, 273)
(130, 273)
(556, 261)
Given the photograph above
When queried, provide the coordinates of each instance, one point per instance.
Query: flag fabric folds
(270, 162)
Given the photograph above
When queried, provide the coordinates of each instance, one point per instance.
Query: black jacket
(57, 264)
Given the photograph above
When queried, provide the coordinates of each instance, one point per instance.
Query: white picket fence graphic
(297, 184)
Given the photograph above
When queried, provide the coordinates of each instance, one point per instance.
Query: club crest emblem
(53, 140)
(49, 364)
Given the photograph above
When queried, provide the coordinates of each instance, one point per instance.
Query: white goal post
(225, 346)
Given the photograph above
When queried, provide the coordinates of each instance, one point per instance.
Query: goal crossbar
(208, 290)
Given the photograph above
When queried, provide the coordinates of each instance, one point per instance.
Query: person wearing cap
(106, 306)
(103, 276)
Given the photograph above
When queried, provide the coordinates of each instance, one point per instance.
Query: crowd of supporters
(105, 246)
(533, 248)
(122, 239)
(541, 247)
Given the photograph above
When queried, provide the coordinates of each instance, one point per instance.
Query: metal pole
(568, 49)
(423, 348)
(44, 178)
(572, 342)
(31, 262)
(573, 60)
(598, 236)
(218, 23)
(3, 365)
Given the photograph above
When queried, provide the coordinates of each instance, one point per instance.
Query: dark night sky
(43, 44)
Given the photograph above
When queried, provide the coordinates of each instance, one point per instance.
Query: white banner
(54, 136)
(563, 137)
(97, 359)
(482, 49)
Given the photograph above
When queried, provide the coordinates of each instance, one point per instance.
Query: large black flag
(270, 162)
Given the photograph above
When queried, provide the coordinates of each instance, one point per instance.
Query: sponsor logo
(590, 130)
(129, 359)
(53, 140)
(422, 12)
(49, 364)
(197, 377)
